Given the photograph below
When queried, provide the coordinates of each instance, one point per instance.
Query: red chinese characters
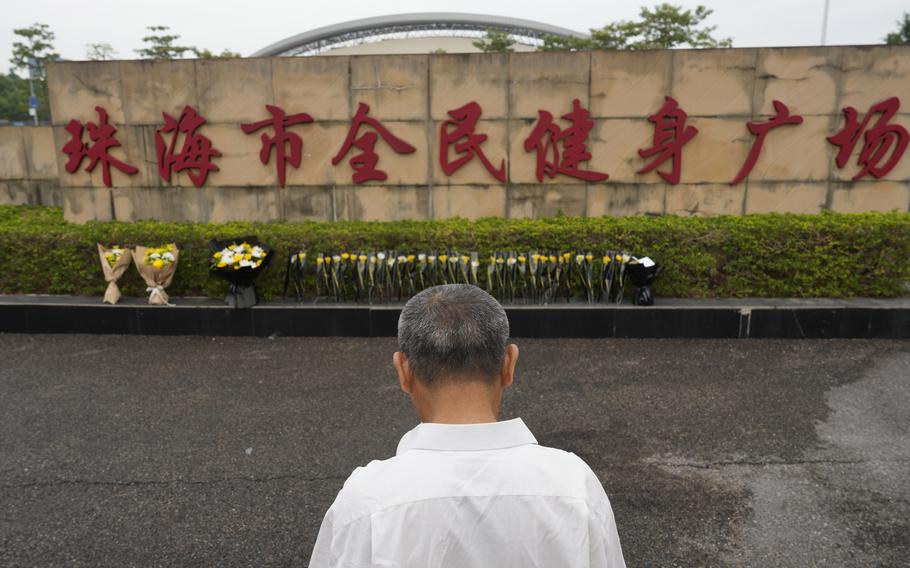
(761, 129)
(879, 140)
(670, 135)
(196, 152)
(102, 137)
(364, 164)
(287, 145)
(461, 126)
(561, 151)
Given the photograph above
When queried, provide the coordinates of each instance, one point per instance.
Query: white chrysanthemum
(381, 256)
(422, 257)
(168, 256)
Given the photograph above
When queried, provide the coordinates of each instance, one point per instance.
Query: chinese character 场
(878, 140)
(670, 134)
(547, 137)
(364, 164)
(196, 152)
(102, 137)
(761, 129)
(287, 145)
(461, 126)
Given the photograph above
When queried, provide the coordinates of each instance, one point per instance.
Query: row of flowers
(392, 276)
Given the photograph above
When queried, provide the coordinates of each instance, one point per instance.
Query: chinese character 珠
(102, 137)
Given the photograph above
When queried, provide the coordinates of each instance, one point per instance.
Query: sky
(248, 25)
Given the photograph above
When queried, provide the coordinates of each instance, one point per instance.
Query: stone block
(798, 152)
(17, 192)
(614, 145)
(715, 82)
(704, 199)
(401, 169)
(239, 163)
(140, 142)
(307, 203)
(523, 163)
(804, 79)
(458, 79)
(535, 201)
(872, 74)
(13, 161)
(241, 203)
(717, 152)
(82, 204)
(76, 88)
(547, 81)
(623, 199)
(185, 204)
(318, 86)
(394, 87)
(49, 193)
(469, 201)
(321, 141)
(495, 148)
(629, 84)
(233, 91)
(860, 196)
(381, 203)
(786, 197)
(151, 87)
(40, 150)
(901, 170)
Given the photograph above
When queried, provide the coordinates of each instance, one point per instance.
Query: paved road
(148, 451)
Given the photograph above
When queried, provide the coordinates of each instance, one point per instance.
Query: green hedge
(827, 255)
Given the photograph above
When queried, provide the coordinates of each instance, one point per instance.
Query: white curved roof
(324, 37)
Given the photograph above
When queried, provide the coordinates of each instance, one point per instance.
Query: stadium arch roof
(429, 23)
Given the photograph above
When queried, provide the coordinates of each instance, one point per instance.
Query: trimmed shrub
(826, 255)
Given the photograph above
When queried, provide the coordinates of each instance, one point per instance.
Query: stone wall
(721, 90)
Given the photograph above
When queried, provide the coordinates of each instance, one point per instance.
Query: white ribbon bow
(160, 291)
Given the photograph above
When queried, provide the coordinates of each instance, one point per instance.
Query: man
(464, 490)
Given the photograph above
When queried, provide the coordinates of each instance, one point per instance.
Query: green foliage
(14, 98)
(160, 44)
(902, 35)
(37, 45)
(661, 27)
(827, 255)
(207, 54)
(495, 41)
(100, 52)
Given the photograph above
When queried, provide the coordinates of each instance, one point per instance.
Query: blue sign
(33, 102)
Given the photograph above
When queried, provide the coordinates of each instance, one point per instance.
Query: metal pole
(32, 64)
(825, 22)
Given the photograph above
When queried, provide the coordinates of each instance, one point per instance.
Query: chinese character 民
(102, 137)
(879, 139)
(196, 153)
(364, 164)
(462, 125)
(287, 145)
(547, 137)
(761, 129)
(670, 134)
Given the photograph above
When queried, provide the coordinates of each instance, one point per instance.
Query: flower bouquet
(642, 272)
(239, 261)
(157, 266)
(114, 262)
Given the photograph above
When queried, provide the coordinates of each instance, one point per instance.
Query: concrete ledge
(671, 318)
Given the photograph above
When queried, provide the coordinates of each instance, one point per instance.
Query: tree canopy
(902, 35)
(495, 41)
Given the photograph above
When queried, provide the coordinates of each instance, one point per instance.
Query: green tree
(160, 44)
(36, 45)
(902, 35)
(206, 54)
(99, 52)
(13, 98)
(661, 27)
(495, 41)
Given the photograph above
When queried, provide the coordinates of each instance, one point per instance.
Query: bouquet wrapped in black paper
(239, 261)
(642, 272)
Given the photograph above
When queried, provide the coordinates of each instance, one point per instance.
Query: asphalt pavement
(194, 451)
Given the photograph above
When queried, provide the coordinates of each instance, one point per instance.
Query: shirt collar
(467, 437)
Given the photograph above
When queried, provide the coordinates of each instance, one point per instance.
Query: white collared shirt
(471, 495)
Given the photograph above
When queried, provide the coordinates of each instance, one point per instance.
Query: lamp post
(825, 22)
(32, 99)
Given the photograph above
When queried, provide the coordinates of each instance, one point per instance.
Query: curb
(718, 319)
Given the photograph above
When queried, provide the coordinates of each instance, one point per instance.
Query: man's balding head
(453, 332)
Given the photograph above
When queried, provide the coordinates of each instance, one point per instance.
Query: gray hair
(453, 330)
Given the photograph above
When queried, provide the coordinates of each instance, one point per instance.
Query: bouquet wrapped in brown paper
(114, 262)
(157, 266)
